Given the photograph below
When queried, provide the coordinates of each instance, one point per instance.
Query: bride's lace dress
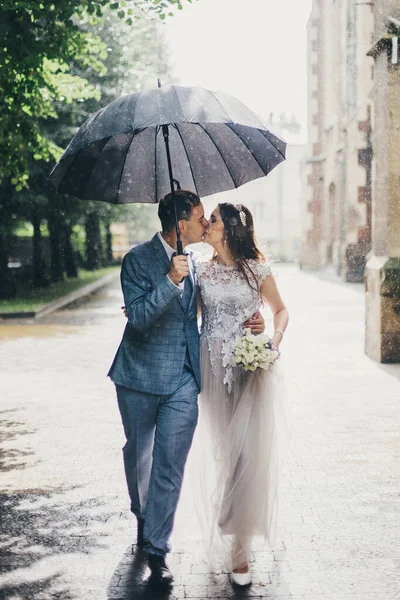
(243, 426)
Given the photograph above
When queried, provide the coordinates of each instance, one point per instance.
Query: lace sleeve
(199, 265)
(262, 270)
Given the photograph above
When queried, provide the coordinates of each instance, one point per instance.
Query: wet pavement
(66, 531)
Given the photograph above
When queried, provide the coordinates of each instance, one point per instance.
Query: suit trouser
(159, 432)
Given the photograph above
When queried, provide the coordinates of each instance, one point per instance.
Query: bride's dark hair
(239, 234)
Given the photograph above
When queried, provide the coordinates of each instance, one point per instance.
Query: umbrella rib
(94, 164)
(273, 145)
(66, 172)
(246, 146)
(221, 105)
(123, 167)
(220, 153)
(243, 105)
(179, 100)
(187, 156)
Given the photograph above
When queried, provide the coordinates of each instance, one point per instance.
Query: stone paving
(66, 531)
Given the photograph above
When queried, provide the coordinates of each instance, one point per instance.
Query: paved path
(65, 527)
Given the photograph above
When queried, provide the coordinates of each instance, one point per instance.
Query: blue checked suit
(152, 352)
(157, 376)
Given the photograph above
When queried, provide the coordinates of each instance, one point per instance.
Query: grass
(28, 299)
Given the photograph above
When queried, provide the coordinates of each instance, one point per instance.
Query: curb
(45, 309)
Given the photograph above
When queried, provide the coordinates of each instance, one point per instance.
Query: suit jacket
(159, 330)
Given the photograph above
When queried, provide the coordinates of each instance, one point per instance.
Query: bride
(243, 423)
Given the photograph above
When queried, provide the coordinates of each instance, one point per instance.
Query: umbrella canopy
(119, 154)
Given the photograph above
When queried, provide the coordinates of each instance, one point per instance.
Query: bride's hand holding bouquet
(254, 352)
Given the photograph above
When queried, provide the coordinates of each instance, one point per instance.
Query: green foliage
(47, 53)
(28, 299)
(59, 63)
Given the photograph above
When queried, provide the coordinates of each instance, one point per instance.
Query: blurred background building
(383, 266)
(274, 201)
(337, 171)
(276, 206)
(351, 175)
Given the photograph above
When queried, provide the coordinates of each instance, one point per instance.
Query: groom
(156, 372)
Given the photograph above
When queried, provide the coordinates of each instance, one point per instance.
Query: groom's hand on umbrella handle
(179, 268)
(256, 323)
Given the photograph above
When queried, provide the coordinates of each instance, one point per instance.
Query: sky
(252, 49)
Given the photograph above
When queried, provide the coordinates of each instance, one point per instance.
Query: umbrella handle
(172, 180)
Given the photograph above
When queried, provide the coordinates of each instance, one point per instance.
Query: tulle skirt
(239, 452)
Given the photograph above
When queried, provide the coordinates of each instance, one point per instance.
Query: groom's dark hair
(185, 201)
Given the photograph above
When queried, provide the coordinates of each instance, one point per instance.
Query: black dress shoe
(160, 572)
(140, 540)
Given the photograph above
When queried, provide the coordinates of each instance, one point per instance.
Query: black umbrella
(134, 149)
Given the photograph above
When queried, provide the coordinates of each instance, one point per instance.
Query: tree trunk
(7, 282)
(39, 279)
(71, 268)
(109, 254)
(93, 242)
(7, 285)
(56, 250)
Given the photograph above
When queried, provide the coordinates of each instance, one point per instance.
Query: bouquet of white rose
(254, 352)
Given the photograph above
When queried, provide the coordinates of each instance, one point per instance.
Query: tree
(56, 67)
(8, 220)
(136, 55)
(41, 44)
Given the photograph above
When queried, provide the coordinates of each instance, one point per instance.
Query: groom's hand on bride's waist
(179, 268)
(256, 323)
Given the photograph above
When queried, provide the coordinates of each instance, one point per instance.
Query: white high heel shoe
(241, 579)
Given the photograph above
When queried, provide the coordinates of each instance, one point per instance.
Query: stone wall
(338, 170)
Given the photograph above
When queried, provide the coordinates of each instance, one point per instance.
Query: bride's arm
(271, 295)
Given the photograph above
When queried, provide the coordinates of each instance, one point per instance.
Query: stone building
(276, 205)
(337, 172)
(383, 266)
(351, 177)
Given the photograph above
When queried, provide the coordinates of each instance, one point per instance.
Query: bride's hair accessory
(242, 215)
